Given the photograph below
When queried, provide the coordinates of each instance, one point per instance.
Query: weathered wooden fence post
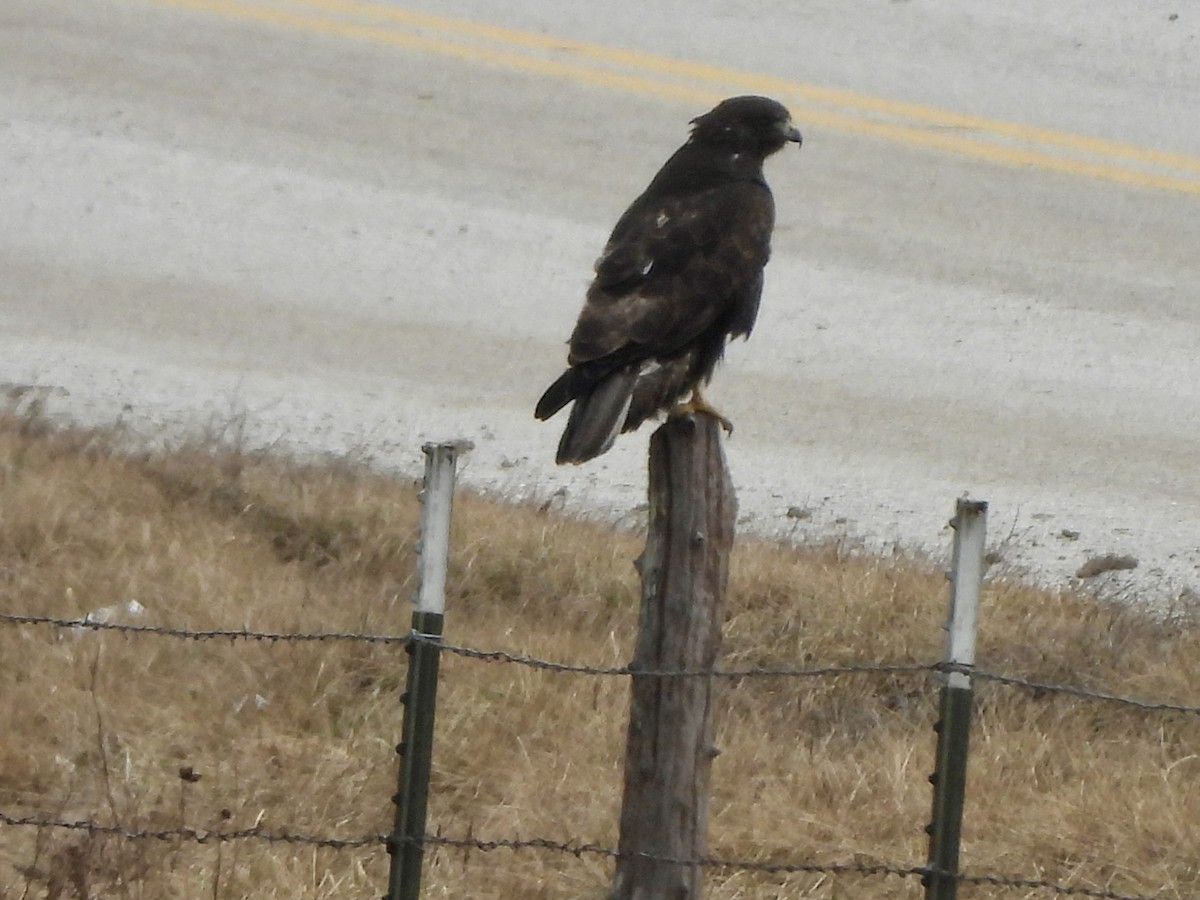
(669, 749)
(954, 721)
(420, 693)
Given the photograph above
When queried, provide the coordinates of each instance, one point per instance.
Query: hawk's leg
(697, 404)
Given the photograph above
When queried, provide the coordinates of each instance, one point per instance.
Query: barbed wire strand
(821, 671)
(1053, 886)
(1083, 693)
(86, 624)
(574, 848)
(865, 869)
(501, 656)
(197, 835)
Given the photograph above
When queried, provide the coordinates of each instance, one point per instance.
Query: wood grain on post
(669, 750)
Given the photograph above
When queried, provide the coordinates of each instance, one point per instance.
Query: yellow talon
(697, 404)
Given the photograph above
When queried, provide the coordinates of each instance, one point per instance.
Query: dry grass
(300, 736)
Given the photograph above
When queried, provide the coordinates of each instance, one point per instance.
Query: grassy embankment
(299, 736)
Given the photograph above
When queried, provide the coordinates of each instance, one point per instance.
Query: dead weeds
(300, 737)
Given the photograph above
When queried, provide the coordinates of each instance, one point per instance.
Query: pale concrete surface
(1124, 70)
(362, 245)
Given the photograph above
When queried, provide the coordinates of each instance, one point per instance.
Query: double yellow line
(995, 141)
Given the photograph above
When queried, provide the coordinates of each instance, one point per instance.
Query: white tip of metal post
(970, 537)
(454, 445)
(437, 497)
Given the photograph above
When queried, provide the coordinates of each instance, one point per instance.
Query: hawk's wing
(672, 267)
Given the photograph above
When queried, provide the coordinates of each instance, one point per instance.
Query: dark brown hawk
(681, 274)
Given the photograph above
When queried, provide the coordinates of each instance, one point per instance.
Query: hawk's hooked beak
(791, 132)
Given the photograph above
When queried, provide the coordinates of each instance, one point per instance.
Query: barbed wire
(500, 656)
(712, 862)
(1053, 886)
(196, 835)
(503, 656)
(1082, 693)
(792, 868)
(88, 624)
(533, 662)
(574, 848)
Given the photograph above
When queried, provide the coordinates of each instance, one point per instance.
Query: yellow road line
(643, 73)
(469, 52)
(762, 83)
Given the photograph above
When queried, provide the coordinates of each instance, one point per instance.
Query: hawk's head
(755, 125)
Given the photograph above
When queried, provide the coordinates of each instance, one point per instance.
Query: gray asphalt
(357, 245)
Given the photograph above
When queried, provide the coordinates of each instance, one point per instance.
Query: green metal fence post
(953, 727)
(405, 843)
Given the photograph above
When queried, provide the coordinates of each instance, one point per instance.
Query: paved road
(366, 225)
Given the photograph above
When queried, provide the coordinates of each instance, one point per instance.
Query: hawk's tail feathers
(559, 394)
(597, 417)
